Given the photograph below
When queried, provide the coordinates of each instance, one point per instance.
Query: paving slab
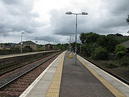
(117, 87)
(77, 81)
(40, 87)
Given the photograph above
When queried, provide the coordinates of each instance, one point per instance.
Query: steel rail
(4, 82)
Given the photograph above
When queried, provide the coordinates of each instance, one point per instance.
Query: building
(28, 44)
(6, 46)
(49, 47)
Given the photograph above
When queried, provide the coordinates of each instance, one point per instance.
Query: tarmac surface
(77, 81)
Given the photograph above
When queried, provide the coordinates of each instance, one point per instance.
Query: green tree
(100, 53)
(120, 51)
(107, 42)
(87, 49)
(83, 38)
(89, 37)
(102, 41)
(62, 46)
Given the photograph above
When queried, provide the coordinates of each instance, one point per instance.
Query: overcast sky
(45, 20)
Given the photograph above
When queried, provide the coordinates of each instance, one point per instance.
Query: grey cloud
(16, 16)
(111, 18)
(11, 1)
(63, 24)
(118, 7)
(51, 38)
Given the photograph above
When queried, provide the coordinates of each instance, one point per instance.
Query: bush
(124, 61)
(87, 49)
(120, 54)
(107, 42)
(89, 37)
(100, 53)
(120, 51)
(110, 65)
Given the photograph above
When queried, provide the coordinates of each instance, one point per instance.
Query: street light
(76, 14)
(21, 41)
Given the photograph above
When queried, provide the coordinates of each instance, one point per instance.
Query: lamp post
(21, 41)
(76, 14)
(70, 43)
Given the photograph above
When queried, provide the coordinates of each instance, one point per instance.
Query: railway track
(12, 84)
(14, 62)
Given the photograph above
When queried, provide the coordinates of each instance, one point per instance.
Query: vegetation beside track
(106, 52)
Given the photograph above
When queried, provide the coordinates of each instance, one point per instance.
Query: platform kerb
(117, 87)
(40, 87)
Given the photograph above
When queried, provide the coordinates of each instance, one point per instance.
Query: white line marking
(26, 92)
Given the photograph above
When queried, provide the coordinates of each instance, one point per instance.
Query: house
(6, 46)
(28, 44)
(49, 47)
(1, 46)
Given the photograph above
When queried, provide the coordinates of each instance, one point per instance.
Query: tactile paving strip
(54, 88)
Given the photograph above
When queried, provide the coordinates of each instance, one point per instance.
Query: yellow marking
(52, 95)
(70, 55)
(108, 85)
(54, 87)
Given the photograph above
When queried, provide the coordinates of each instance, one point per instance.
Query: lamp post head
(22, 32)
(84, 13)
(69, 13)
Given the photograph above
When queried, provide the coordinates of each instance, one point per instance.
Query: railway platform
(64, 78)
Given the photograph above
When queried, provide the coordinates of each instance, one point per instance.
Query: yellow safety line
(70, 55)
(108, 85)
(54, 88)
